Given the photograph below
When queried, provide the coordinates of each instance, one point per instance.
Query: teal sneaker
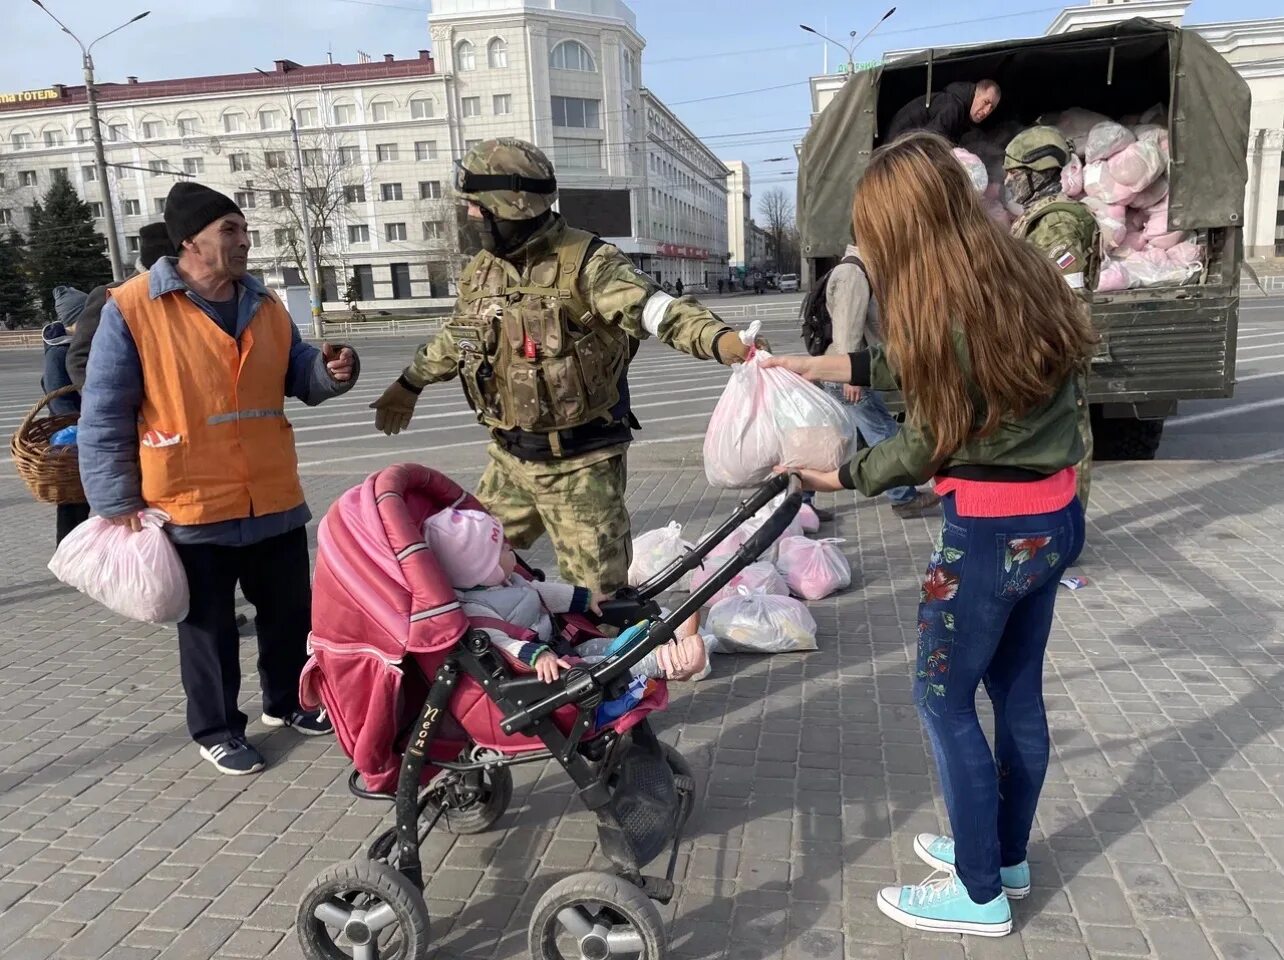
(938, 852)
(941, 904)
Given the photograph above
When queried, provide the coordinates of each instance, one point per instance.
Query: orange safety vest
(213, 440)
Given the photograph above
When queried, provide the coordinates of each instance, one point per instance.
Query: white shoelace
(939, 885)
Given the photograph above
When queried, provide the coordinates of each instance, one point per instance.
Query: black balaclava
(505, 237)
(1025, 185)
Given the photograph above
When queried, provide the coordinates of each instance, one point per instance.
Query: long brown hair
(937, 262)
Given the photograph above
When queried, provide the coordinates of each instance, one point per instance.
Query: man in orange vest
(183, 412)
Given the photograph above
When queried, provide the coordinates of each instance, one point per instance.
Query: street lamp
(314, 279)
(100, 160)
(850, 48)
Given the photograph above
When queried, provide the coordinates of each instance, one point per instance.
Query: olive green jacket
(1044, 441)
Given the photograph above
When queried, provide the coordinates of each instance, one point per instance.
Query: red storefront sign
(682, 252)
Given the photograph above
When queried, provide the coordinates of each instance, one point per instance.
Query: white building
(379, 140)
(1254, 47)
(739, 214)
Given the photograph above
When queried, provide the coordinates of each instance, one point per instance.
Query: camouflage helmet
(511, 178)
(1037, 148)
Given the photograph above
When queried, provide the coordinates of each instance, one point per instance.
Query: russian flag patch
(1065, 261)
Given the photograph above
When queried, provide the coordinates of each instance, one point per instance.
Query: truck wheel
(1127, 438)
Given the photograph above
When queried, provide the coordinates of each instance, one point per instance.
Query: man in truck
(1063, 229)
(951, 112)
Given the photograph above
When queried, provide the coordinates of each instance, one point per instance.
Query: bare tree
(778, 211)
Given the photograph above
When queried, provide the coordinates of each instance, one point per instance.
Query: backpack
(817, 325)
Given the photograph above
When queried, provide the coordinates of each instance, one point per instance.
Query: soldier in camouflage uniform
(1063, 229)
(547, 320)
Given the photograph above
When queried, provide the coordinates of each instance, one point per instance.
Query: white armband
(653, 311)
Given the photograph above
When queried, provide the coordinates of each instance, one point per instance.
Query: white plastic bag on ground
(759, 623)
(814, 569)
(655, 550)
(1076, 124)
(808, 518)
(1106, 139)
(760, 577)
(975, 168)
(137, 575)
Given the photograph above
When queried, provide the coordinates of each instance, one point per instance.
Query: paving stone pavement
(1160, 833)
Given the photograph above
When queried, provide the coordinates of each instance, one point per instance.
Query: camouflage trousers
(578, 502)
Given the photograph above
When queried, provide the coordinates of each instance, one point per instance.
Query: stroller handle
(599, 676)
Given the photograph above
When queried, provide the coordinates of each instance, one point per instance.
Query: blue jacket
(55, 376)
(113, 394)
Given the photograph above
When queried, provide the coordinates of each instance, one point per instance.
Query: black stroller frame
(641, 790)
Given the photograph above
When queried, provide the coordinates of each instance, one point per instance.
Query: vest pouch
(164, 463)
(480, 386)
(541, 319)
(525, 408)
(601, 361)
(567, 395)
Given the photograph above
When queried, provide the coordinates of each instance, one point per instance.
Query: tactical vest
(1087, 232)
(532, 354)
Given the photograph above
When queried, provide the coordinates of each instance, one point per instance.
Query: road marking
(1223, 413)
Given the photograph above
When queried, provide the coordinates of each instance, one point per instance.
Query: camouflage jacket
(1068, 235)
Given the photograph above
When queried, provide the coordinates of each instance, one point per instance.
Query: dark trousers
(275, 579)
(985, 615)
(70, 516)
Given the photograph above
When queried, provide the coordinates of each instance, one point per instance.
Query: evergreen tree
(17, 304)
(65, 249)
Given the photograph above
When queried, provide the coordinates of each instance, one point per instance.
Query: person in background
(950, 113)
(69, 305)
(184, 412)
(986, 342)
(678, 286)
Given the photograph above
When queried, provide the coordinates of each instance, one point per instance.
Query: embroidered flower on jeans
(939, 585)
(1023, 550)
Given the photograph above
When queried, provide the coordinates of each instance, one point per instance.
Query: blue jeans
(870, 416)
(984, 617)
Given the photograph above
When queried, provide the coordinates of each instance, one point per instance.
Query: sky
(696, 55)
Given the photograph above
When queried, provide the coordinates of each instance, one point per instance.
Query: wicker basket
(52, 474)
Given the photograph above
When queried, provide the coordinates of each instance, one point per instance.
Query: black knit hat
(191, 207)
(154, 243)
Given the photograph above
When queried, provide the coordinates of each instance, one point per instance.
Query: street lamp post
(100, 158)
(850, 48)
(314, 278)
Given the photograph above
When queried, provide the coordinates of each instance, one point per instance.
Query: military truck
(1159, 345)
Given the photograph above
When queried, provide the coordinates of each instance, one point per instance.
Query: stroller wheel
(470, 802)
(593, 916)
(684, 780)
(363, 910)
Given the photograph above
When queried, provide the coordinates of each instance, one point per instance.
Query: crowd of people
(182, 401)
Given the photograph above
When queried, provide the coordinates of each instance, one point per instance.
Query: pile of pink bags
(813, 569)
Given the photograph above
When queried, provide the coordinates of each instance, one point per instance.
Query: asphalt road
(674, 396)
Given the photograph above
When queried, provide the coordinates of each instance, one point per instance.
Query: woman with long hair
(985, 341)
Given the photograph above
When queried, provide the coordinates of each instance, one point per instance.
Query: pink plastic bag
(761, 577)
(1137, 166)
(1188, 251)
(137, 575)
(1157, 219)
(807, 517)
(814, 569)
(1072, 178)
(1114, 276)
(756, 522)
(1106, 139)
(1152, 195)
(1154, 134)
(1166, 241)
(1111, 218)
(974, 167)
(1100, 184)
(1076, 124)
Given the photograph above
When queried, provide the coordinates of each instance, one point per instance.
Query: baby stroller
(433, 717)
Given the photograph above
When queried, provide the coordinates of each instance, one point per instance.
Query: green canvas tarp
(1117, 69)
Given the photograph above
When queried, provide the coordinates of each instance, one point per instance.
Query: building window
(317, 195)
(26, 178)
(381, 112)
(189, 127)
(390, 191)
(96, 210)
(131, 245)
(239, 162)
(386, 152)
(426, 150)
(322, 237)
(20, 141)
(275, 159)
(133, 208)
(401, 281)
(279, 198)
(308, 117)
(153, 129)
(628, 67)
(255, 239)
(84, 134)
(363, 280)
(349, 156)
(497, 54)
(395, 231)
(312, 157)
(469, 144)
(283, 236)
(233, 122)
(434, 229)
(157, 167)
(502, 104)
(466, 56)
(88, 173)
(429, 189)
(345, 113)
(244, 199)
(193, 165)
(355, 194)
(358, 233)
(576, 112)
(6, 216)
(58, 173)
(53, 138)
(118, 132)
(471, 106)
(421, 109)
(577, 154)
(571, 55)
(270, 120)
(158, 206)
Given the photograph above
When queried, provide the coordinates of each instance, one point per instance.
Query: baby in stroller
(470, 549)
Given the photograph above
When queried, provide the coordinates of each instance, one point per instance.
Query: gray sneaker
(921, 504)
(235, 757)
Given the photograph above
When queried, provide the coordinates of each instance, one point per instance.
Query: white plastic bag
(1100, 184)
(655, 550)
(137, 575)
(1072, 177)
(767, 417)
(760, 577)
(1076, 124)
(808, 518)
(814, 569)
(759, 623)
(1106, 139)
(759, 520)
(1137, 166)
(975, 168)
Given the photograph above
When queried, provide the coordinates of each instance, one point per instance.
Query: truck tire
(1126, 438)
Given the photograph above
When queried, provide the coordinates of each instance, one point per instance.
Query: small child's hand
(595, 605)
(548, 666)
